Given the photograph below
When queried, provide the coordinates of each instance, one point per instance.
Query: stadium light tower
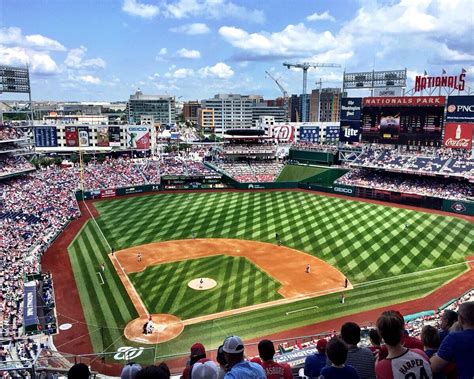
(305, 66)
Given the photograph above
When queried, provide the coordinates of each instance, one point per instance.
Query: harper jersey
(275, 370)
(412, 364)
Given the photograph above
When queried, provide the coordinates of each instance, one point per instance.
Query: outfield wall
(452, 206)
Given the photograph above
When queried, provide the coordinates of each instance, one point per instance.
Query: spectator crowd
(420, 185)
(252, 172)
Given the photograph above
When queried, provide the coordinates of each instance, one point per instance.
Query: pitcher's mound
(165, 328)
(202, 284)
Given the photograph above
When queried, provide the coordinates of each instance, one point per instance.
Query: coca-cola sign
(458, 135)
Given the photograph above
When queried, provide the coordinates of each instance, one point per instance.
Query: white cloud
(192, 29)
(163, 51)
(89, 79)
(320, 17)
(13, 36)
(215, 9)
(39, 62)
(188, 54)
(134, 8)
(178, 73)
(219, 70)
(74, 59)
(293, 40)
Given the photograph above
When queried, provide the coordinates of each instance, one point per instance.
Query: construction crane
(283, 91)
(305, 66)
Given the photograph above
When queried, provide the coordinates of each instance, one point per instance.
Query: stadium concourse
(37, 207)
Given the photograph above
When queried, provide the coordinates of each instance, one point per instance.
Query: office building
(161, 107)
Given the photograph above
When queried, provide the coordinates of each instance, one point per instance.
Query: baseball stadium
(125, 244)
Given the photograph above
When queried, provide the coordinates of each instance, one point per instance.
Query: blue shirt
(246, 370)
(346, 372)
(458, 347)
(313, 364)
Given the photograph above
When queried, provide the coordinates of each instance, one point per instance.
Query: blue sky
(105, 49)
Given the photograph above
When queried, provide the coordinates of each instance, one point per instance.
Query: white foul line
(301, 310)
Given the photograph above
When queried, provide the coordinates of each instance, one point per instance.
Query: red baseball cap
(197, 349)
(321, 344)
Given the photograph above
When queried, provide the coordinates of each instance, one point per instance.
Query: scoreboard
(46, 136)
(191, 182)
(405, 122)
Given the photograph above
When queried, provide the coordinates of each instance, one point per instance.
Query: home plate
(201, 284)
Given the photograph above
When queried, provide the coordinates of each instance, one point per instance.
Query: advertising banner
(351, 108)
(331, 133)
(283, 133)
(103, 136)
(350, 131)
(388, 92)
(114, 135)
(107, 193)
(309, 134)
(138, 137)
(400, 101)
(83, 136)
(29, 304)
(460, 109)
(458, 135)
(72, 136)
(46, 136)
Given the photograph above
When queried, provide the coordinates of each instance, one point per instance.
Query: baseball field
(388, 255)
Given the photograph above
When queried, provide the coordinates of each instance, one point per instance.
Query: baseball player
(139, 257)
(308, 268)
(200, 283)
(102, 267)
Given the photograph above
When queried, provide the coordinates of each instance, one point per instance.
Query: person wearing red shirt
(273, 370)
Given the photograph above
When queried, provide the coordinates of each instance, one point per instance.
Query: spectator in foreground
(447, 320)
(197, 352)
(154, 372)
(399, 361)
(336, 351)
(458, 347)
(273, 370)
(314, 363)
(430, 339)
(130, 371)
(361, 358)
(238, 368)
(204, 369)
(407, 340)
(78, 371)
(222, 362)
(374, 340)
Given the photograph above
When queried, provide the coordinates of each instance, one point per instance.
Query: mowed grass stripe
(174, 296)
(365, 241)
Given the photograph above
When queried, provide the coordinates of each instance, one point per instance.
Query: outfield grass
(164, 289)
(365, 241)
(297, 173)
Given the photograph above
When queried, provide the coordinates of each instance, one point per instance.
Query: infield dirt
(287, 266)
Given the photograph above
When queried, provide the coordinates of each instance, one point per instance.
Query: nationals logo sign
(458, 135)
(283, 133)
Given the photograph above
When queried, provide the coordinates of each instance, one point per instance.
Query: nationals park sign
(450, 81)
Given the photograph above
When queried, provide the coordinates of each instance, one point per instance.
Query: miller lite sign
(350, 131)
(458, 135)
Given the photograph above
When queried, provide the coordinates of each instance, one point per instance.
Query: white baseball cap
(233, 345)
(204, 369)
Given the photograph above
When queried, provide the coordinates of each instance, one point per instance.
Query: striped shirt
(363, 360)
